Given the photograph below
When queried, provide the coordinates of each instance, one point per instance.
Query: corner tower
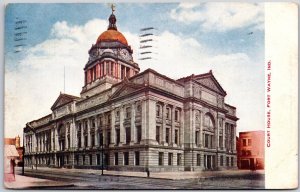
(110, 61)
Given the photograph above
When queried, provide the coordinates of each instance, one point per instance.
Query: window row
(170, 158)
(168, 113)
(83, 140)
(168, 135)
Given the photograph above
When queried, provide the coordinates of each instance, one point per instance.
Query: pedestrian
(148, 172)
(13, 164)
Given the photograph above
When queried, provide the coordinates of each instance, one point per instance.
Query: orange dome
(112, 35)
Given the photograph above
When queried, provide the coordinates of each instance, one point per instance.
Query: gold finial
(113, 8)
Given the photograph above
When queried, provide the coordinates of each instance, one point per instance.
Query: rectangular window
(93, 140)
(249, 142)
(178, 159)
(79, 140)
(227, 161)
(244, 142)
(116, 158)
(157, 133)
(127, 135)
(85, 141)
(101, 121)
(108, 138)
(100, 138)
(170, 158)
(168, 115)
(69, 143)
(83, 159)
(138, 133)
(206, 140)
(91, 159)
(231, 161)
(77, 159)
(106, 158)
(122, 72)
(118, 136)
(220, 141)
(167, 135)
(198, 160)
(126, 158)
(221, 160)
(98, 159)
(93, 123)
(176, 115)
(137, 158)
(160, 158)
(176, 137)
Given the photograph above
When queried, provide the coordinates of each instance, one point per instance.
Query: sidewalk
(165, 175)
(23, 182)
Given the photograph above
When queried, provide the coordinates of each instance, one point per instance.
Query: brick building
(250, 150)
(16, 143)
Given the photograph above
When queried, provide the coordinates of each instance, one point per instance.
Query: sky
(191, 38)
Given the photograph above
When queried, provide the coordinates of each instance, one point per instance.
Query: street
(85, 180)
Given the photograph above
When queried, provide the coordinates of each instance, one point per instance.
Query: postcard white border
(281, 51)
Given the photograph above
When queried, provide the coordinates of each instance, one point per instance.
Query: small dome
(111, 35)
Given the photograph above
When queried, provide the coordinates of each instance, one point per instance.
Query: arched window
(209, 136)
(62, 136)
(208, 121)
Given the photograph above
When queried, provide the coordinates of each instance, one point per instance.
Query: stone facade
(126, 120)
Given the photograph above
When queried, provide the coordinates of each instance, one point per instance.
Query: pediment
(62, 100)
(125, 89)
(210, 82)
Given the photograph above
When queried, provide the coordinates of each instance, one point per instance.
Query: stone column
(181, 127)
(193, 127)
(217, 134)
(173, 126)
(56, 139)
(37, 138)
(132, 123)
(163, 127)
(144, 118)
(74, 137)
(104, 68)
(89, 132)
(44, 140)
(96, 131)
(113, 129)
(82, 136)
(224, 134)
(122, 131)
(66, 135)
(52, 139)
(201, 129)
(234, 138)
(151, 120)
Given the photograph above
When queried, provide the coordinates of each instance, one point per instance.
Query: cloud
(220, 16)
(32, 88)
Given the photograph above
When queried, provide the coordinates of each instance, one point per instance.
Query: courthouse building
(132, 120)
